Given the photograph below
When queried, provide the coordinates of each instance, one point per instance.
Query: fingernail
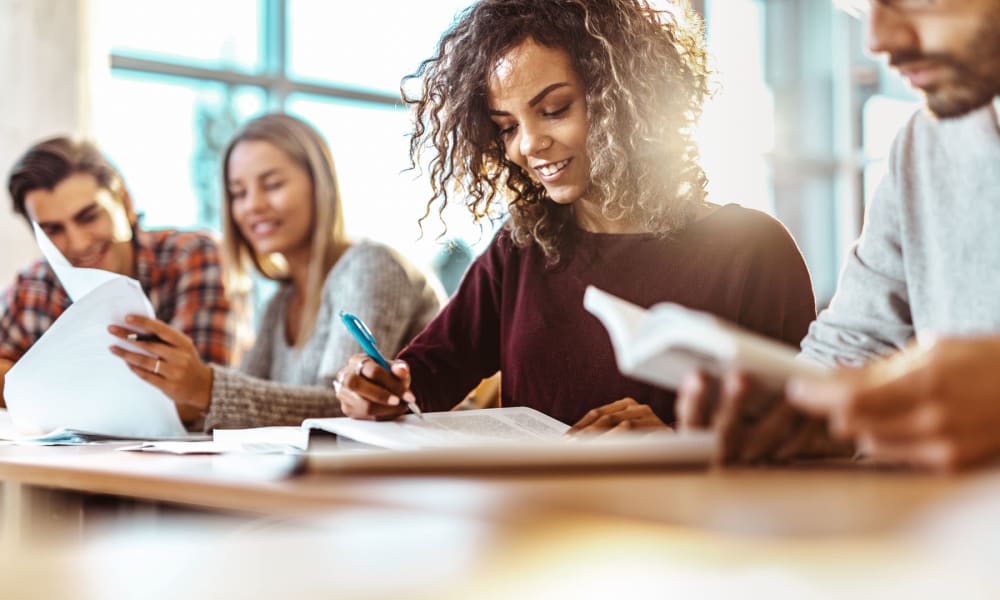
(131, 319)
(393, 400)
(795, 389)
(689, 383)
(409, 397)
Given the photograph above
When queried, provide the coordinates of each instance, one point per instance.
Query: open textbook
(662, 344)
(69, 380)
(497, 438)
(510, 438)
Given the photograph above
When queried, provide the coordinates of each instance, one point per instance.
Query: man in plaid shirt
(79, 200)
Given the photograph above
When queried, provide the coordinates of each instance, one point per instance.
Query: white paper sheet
(258, 440)
(69, 378)
(78, 282)
(296, 438)
(467, 428)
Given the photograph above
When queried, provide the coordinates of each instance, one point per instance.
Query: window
(737, 128)
(186, 74)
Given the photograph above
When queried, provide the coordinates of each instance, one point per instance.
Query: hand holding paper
(69, 378)
(167, 360)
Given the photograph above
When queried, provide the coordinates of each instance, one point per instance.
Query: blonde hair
(306, 148)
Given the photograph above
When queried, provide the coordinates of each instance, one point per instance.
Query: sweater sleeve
(869, 315)
(241, 400)
(371, 281)
(461, 346)
(391, 296)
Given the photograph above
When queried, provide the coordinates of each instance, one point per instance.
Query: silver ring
(156, 367)
(361, 365)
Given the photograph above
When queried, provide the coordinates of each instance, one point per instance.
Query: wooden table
(843, 529)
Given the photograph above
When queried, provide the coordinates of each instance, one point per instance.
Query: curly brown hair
(645, 74)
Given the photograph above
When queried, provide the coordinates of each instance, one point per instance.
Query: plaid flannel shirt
(180, 272)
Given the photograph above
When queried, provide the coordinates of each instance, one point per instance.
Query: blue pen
(364, 337)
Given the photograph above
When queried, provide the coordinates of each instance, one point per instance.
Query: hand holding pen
(369, 387)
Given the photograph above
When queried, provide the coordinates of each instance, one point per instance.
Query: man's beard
(975, 74)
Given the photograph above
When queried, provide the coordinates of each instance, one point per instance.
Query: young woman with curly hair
(575, 116)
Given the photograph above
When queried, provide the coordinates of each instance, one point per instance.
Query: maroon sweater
(514, 314)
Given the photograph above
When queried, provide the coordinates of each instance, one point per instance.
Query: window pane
(217, 34)
(369, 45)
(737, 127)
(167, 136)
(381, 201)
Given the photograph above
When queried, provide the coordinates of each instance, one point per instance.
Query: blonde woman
(283, 217)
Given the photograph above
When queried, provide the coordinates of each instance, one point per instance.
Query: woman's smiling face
(538, 103)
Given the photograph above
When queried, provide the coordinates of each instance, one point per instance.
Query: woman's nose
(534, 140)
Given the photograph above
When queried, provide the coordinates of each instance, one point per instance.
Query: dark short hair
(48, 163)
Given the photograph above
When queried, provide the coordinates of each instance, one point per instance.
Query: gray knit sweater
(281, 385)
(928, 260)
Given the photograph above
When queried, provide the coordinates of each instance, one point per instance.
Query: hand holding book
(728, 379)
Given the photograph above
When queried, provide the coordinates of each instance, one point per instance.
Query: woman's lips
(551, 172)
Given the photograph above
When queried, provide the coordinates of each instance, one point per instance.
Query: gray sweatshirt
(278, 384)
(928, 259)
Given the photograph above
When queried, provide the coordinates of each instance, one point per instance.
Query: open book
(69, 380)
(496, 438)
(486, 426)
(662, 344)
(512, 438)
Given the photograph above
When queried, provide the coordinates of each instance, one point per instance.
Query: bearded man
(914, 328)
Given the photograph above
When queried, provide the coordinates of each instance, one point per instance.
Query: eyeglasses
(858, 8)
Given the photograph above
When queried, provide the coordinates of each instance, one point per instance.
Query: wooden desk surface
(792, 532)
(792, 501)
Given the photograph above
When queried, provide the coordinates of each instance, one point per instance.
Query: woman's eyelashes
(267, 186)
(558, 112)
(507, 130)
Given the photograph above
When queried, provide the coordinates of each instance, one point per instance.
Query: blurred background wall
(799, 127)
(45, 89)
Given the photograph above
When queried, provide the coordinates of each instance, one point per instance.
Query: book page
(662, 345)
(488, 426)
(623, 320)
